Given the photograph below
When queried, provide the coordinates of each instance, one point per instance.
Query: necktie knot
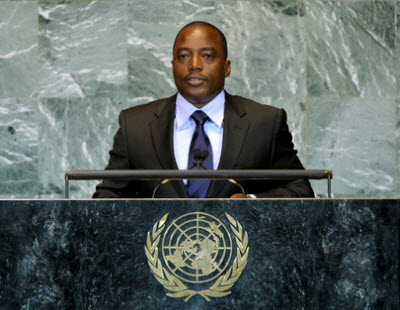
(199, 117)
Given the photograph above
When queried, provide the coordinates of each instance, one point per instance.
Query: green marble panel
(268, 62)
(355, 138)
(397, 188)
(18, 49)
(351, 48)
(18, 148)
(328, 63)
(396, 172)
(397, 42)
(82, 48)
(75, 134)
(53, 149)
(268, 50)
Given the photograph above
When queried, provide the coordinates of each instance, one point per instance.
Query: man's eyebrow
(181, 49)
(208, 49)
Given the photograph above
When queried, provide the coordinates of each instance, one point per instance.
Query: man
(228, 132)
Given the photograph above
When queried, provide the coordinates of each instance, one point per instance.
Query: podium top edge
(187, 174)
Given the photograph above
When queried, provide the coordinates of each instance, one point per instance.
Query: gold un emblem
(196, 249)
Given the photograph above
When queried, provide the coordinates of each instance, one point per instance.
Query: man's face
(199, 64)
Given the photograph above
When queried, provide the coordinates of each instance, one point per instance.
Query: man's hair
(204, 24)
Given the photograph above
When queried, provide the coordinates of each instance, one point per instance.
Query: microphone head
(196, 154)
(204, 154)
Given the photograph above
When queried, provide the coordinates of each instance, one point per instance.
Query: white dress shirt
(184, 127)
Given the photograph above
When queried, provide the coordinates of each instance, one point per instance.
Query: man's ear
(227, 67)
(172, 69)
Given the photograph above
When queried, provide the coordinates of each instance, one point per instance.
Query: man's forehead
(194, 33)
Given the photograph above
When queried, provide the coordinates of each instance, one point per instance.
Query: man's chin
(196, 99)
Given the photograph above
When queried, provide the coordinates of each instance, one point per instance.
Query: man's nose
(195, 63)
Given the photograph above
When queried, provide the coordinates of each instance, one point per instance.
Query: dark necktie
(200, 141)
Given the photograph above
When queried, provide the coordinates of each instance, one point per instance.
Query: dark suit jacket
(255, 136)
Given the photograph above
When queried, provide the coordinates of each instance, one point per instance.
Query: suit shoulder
(151, 106)
(144, 111)
(254, 107)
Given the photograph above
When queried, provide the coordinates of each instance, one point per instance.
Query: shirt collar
(214, 109)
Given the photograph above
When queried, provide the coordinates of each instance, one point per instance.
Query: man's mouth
(195, 81)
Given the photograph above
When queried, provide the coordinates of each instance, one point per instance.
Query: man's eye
(183, 56)
(207, 56)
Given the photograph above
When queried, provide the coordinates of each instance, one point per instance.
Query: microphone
(204, 154)
(199, 158)
(165, 181)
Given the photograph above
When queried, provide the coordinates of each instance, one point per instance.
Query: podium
(111, 254)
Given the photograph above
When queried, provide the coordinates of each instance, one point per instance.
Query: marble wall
(68, 67)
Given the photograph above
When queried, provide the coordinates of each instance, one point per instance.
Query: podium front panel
(199, 254)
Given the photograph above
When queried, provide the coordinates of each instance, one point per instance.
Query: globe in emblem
(197, 247)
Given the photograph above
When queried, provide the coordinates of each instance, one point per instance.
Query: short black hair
(205, 24)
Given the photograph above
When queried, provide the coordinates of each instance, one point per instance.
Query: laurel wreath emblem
(175, 287)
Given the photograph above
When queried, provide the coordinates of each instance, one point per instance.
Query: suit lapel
(235, 130)
(162, 131)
